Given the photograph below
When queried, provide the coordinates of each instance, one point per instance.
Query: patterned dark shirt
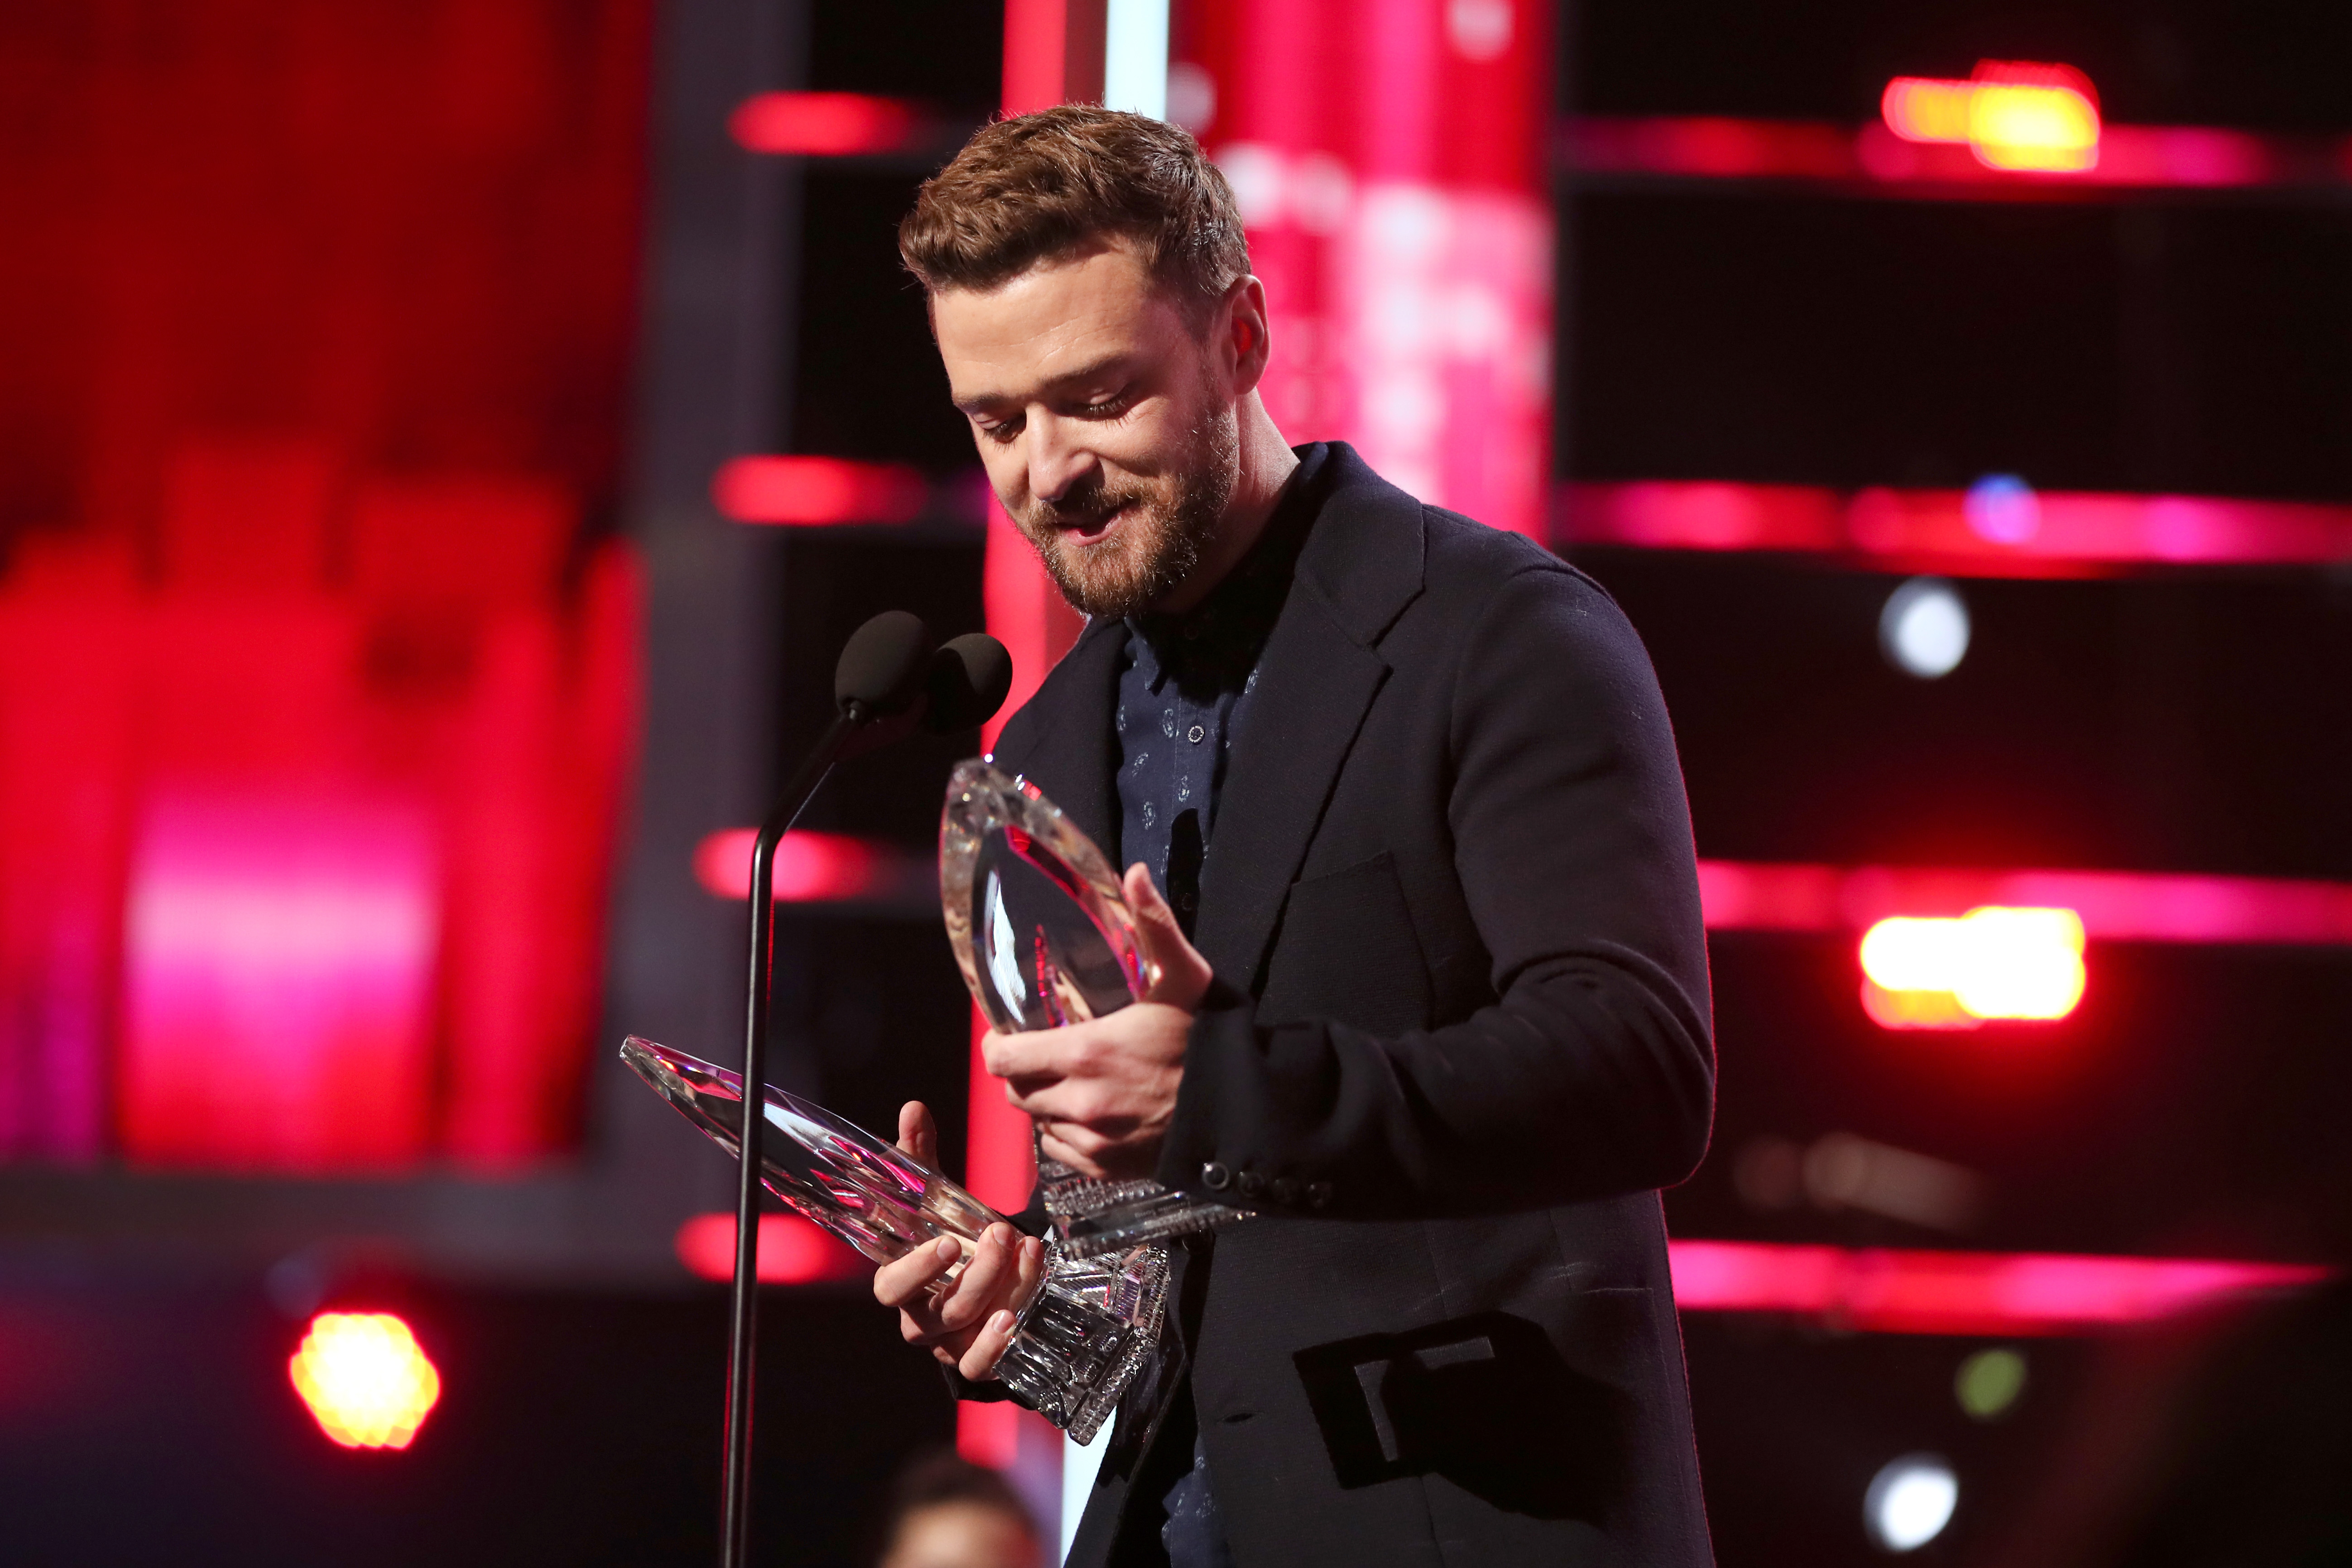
(1186, 681)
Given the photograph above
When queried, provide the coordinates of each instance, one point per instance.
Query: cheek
(1008, 475)
(1152, 443)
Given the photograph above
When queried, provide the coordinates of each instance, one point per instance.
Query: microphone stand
(743, 1312)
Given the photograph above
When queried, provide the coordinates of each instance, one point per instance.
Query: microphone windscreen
(884, 664)
(969, 679)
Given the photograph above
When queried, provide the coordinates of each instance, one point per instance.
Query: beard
(1160, 539)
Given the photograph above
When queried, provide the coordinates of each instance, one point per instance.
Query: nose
(1058, 457)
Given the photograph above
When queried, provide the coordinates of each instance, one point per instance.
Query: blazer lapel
(1315, 679)
(1064, 740)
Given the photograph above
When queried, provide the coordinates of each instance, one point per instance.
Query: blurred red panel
(792, 1251)
(313, 722)
(2188, 157)
(1389, 159)
(2114, 906)
(822, 124)
(278, 985)
(1711, 147)
(2072, 532)
(71, 649)
(460, 538)
(1686, 514)
(809, 868)
(818, 492)
(1885, 1291)
(248, 515)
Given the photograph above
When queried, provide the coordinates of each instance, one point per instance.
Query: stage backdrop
(316, 674)
(1390, 160)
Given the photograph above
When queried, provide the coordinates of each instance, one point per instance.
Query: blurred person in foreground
(948, 1513)
(1407, 837)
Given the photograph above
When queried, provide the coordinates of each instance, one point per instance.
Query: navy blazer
(1460, 1035)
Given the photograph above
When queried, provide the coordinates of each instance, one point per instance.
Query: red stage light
(1946, 166)
(818, 492)
(2077, 532)
(1886, 1290)
(792, 1250)
(1991, 962)
(811, 868)
(2012, 115)
(823, 124)
(365, 1378)
(2113, 906)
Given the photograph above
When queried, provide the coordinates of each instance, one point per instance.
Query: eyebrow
(1108, 363)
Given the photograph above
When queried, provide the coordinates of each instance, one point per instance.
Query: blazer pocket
(1346, 951)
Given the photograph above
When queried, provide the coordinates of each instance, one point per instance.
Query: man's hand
(966, 1321)
(1104, 1092)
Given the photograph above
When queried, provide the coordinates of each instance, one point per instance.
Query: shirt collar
(1230, 624)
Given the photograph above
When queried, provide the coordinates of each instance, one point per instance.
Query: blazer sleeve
(1593, 1072)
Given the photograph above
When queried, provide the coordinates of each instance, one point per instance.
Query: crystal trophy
(1045, 937)
(1080, 1340)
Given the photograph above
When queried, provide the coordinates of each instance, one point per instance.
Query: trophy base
(1094, 1323)
(1093, 1218)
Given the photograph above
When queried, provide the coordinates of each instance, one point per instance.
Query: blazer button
(1216, 1176)
(1319, 1195)
(1250, 1183)
(1285, 1191)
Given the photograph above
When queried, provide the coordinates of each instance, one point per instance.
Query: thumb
(1178, 974)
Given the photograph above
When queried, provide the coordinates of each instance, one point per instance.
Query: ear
(1243, 338)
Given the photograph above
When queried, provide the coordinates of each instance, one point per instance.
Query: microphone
(881, 675)
(953, 688)
(887, 681)
(968, 681)
(883, 667)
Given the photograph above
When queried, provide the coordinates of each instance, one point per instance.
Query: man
(1434, 983)
(947, 1514)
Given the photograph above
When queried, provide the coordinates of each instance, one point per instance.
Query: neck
(1267, 463)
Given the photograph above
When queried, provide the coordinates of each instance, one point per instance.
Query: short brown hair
(1049, 184)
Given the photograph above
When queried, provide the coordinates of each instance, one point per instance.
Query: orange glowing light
(365, 1378)
(2041, 119)
(1991, 962)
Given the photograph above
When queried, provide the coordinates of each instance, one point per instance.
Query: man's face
(1106, 423)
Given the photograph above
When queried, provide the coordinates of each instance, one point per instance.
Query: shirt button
(1195, 735)
(1319, 1195)
(1250, 1183)
(1216, 1176)
(1285, 1191)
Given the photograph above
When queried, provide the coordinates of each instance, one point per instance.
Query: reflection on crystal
(1043, 935)
(1033, 911)
(882, 1202)
(1081, 1338)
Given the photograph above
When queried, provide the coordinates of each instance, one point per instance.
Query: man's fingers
(910, 1278)
(1154, 920)
(1178, 974)
(1029, 1270)
(1057, 1148)
(977, 1286)
(1027, 1255)
(1032, 1054)
(980, 1360)
(918, 1135)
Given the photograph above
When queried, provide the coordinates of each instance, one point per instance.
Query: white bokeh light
(1924, 629)
(1910, 1502)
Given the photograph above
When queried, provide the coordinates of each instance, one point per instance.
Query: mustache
(1092, 504)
